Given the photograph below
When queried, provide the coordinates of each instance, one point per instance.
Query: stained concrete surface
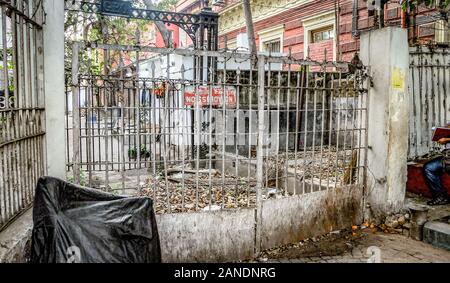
(15, 239)
(349, 248)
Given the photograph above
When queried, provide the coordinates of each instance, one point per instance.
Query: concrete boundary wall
(16, 238)
(226, 236)
(207, 236)
(289, 220)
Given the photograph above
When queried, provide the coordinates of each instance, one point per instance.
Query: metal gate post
(75, 112)
(259, 154)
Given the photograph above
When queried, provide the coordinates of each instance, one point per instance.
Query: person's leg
(433, 171)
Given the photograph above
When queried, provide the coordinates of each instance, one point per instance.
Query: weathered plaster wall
(207, 236)
(15, 239)
(224, 236)
(292, 219)
(386, 52)
(54, 87)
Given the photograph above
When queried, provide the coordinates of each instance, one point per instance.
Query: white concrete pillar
(54, 87)
(386, 52)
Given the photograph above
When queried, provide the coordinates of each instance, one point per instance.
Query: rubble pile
(184, 192)
(189, 190)
(397, 223)
(192, 195)
(326, 164)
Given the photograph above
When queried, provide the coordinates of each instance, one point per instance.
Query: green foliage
(166, 5)
(411, 4)
(83, 180)
(144, 152)
(10, 67)
(90, 27)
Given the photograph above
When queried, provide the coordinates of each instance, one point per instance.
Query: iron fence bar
(322, 133)
(75, 113)
(196, 127)
(17, 11)
(89, 117)
(314, 125)
(225, 130)
(338, 132)
(366, 142)
(330, 133)
(297, 124)
(184, 147)
(288, 103)
(305, 138)
(250, 113)
(278, 119)
(269, 117)
(345, 138)
(260, 152)
(137, 116)
(237, 137)
(5, 59)
(122, 128)
(165, 127)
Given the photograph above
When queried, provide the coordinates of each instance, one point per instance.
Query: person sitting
(433, 172)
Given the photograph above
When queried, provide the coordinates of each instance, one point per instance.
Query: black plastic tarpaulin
(77, 224)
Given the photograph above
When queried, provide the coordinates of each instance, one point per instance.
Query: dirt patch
(333, 244)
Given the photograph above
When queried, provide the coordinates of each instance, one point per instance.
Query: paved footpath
(394, 248)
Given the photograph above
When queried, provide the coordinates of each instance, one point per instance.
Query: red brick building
(179, 36)
(309, 27)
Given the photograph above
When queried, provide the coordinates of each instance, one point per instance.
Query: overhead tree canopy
(113, 30)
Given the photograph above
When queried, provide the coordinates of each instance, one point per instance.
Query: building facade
(320, 29)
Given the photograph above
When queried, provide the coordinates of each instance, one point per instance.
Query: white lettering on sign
(210, 96)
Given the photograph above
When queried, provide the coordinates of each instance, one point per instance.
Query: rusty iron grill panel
(22, 127)
(429, 103)
(288, 127)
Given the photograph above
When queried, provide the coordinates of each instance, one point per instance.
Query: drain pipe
(355, 19)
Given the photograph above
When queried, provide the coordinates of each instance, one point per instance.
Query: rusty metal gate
(22, 127)
(225, 135)
(430, 97)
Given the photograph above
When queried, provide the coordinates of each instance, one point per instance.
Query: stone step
(437, 233)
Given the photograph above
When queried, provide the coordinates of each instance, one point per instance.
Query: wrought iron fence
(225, 135)
(21, 105)
(429, 88)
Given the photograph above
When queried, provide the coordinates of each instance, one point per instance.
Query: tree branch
(160, 25)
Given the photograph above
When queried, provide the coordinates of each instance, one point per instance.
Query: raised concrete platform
(434, 212)
(16, 238)
(437, 233)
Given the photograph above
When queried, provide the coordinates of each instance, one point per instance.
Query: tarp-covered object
(77, 224)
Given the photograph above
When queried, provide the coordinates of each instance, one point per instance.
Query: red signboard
(213, 93)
